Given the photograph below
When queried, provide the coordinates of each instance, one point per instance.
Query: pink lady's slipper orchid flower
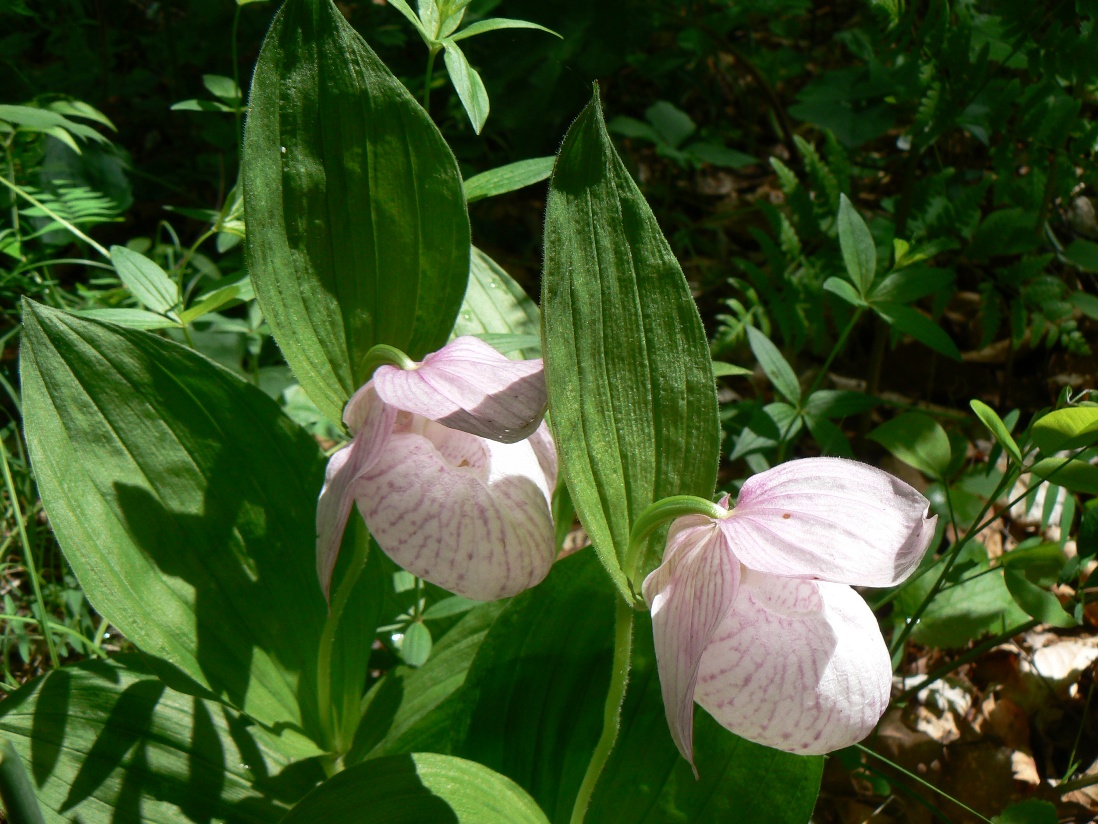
(453, 470)
(753, 614)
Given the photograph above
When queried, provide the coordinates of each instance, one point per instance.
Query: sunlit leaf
(918, 440)
(631, 389)
(357, 229)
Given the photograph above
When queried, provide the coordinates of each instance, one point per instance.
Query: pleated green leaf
(631, 389)
(357, 228)
(646, 781)
(107, 741)
(416, 789)
(414, 709)
(184, 500)
(537, 688)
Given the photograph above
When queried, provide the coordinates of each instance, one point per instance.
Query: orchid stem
(611, 718)
(383, 354)
(331, 725)
(655, 516)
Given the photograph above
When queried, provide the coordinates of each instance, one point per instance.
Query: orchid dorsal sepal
(656, 515)
(382, 354)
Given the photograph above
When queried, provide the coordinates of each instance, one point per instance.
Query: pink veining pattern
(453, 470)
(780, 649)
(781, 636)
(468, 385)
(690, 593)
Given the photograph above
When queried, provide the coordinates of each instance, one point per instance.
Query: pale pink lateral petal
(462, 512)
(797, 665)
(468, 385)
(689, 595)
(546, 450)
(372, 421)
(832, 519)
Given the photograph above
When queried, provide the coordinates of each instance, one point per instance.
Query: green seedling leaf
(413, 18)
(775, 365)
(830, 438)
(1085, 303)
(1037, 602)
(767, 427)
(859, 251)
(631, 127)
(909, 285)
(429, 16)
(223, 87)
(672, 123)
(147, 282)
(646, 780)
(241, 290)
(1071, 428)
(508, 178)
(1028, 812)
(495, 305)
(357, 227)
(631, 390)
(917, 440)
(107, 740)
(721, 155)
(1039, 559)
(133, 318)
(420, 787)
(467, 83)
(844, 290)
(497, 23)
(415, 648)
(913, 322)
(838, 403)
(184, 501)
(976, 603)
(1084, 254)
(998, 429)
(726, 370)
(1078, 476)
(449, 607)
(195, 105)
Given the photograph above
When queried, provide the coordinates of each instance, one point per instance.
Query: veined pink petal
(372, 422)
(689, 595)
(465, 513)
(832, 519)
(546, 450)
(797, 665)
(469, 386)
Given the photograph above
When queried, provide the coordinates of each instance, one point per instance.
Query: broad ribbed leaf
(106, 741)
(631, 390)
(410, 710)
(537, 688)
(646, 781)
(357, 229)
(184, 501)
(415, 789)
(496, 305)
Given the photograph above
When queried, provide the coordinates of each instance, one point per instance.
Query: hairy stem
(611, 718)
